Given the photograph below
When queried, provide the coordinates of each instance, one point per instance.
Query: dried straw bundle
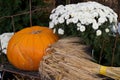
(67, 60)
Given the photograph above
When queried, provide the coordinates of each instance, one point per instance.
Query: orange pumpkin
(27, 47)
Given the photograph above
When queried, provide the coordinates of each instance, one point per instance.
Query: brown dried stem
(69, 60)
(30, 4)
(13, 24)
(113, 53)
(103, 46)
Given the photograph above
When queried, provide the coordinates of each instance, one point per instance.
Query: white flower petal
(78, 28)
(51, 24)
(82, 28)
(78, 24)
(98, 32)
(53, 11)
(67, 17)
(5, 37)
(60, 31)
(102, 20)
(107, 30)
(114, 28)
(74, 20)
(61, 20)
(95, 26)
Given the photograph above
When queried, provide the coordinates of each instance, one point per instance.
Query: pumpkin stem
(36, 32)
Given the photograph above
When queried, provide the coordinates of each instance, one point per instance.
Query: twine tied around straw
(103, 70)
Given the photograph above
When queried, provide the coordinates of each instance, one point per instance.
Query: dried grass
(68, 59)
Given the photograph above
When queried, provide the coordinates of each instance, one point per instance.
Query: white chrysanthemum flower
(73, 14)
(5, 37)
(68, 21)
(98, 32)
(94, 14)
(78, 28)
(82, 28)
(78, 24)
(84, 14)
(114, 28)
(61, 20)
(87, 15)
(102, 20)
(107, 30)
(110, 17)
(62, 11)
(101, 13)
(56, 22)
(51, 16)
(70, 7)
(60, 31)
(90, 7)
(59, 7)
(67, 16)
(51, 25)
(75, 20)
(89, 21)
(95, 26)
(53, 11)
(83, 21)
(115, 20)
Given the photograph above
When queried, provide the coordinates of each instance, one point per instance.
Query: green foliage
(13, 7)
(107, 52)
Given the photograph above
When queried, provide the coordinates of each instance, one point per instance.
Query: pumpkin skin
(26, 47)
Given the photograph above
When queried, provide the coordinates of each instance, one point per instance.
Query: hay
(67, 60)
